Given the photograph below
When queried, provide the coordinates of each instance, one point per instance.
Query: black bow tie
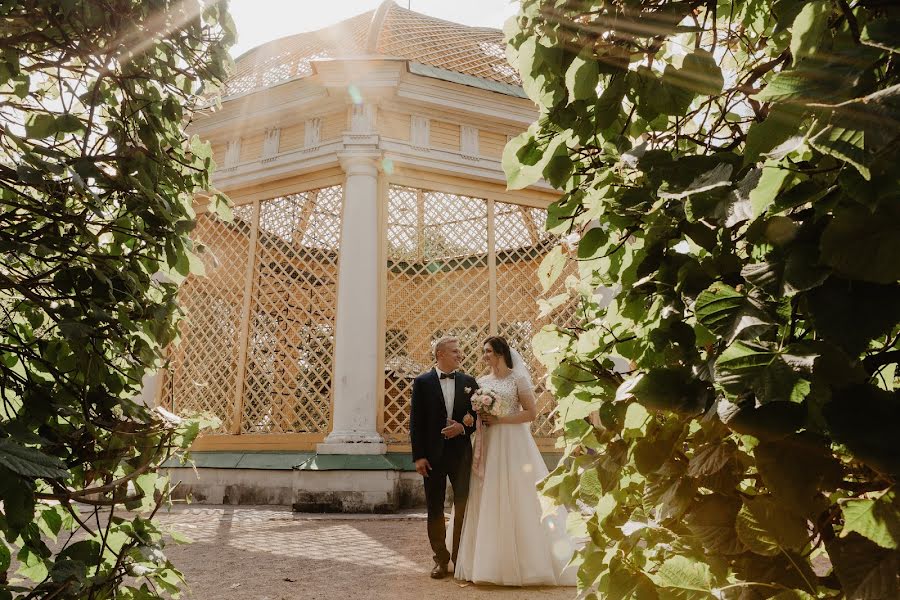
(448, 375)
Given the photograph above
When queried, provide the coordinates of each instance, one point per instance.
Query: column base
(351, 442)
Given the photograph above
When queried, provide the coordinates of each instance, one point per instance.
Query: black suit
(448, 458)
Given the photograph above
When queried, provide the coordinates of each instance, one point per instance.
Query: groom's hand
(453, 429)
(423, 466)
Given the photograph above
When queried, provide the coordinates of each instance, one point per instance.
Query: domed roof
(388, 31)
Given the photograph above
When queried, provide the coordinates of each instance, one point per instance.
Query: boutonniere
(467, 390)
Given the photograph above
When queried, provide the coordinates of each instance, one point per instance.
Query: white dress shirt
(448, 386)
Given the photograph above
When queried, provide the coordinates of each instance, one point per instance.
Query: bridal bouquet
(485, 402)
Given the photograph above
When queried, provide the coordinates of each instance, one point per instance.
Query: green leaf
(712, 520)
(772, 420)
(861, 245)
(666, 389)
(685, 577)
(882, 33)
(524, 159)
(729, 314)
(30, 462)
(610, 102)
(582, 77)
(808, 28)
(866, 571)
(767, 528)
(864, 418)
(765, 192)
(778, 126)
(845, 144)
(853, 313)
(876, 519)
(710, 459)
(772, 374)
(40, 125)
(797, 469)
(32, 566)
(5, 557)
(635, 420)
(551, 267)
(700, 74)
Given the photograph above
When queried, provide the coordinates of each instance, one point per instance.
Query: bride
(504, 538)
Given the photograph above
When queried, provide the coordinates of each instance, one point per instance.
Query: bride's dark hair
(501, 347)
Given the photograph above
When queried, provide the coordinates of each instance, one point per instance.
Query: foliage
(730, 170)
(97, 185)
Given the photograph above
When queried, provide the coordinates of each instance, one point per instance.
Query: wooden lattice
(203, 368)
(291, 334)
(398, 32)
(437, 285)
(259, 356)
(441, 271)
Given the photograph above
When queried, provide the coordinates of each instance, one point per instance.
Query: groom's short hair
(442, 342)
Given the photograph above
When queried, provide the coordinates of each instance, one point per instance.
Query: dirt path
(265, 553)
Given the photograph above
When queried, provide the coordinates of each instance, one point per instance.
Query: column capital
(365, 162)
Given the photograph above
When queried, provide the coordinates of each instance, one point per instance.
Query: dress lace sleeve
(526, 392)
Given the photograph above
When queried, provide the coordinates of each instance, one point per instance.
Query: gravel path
(269, 553)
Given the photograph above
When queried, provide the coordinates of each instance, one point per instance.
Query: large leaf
(773, 374)
(866, 571)
(797, 469)
(808, 27)
(582, 77)
(853, 313)
(699, 73)
(877, 519)
(729, 314)
(862, 245)
(864, 418)
(710, 459)
(882, 33)
(685, 578)
(525, 158)
(713, 519)
(772, 420)
(767, 528)
(30, 462)
(666, 389)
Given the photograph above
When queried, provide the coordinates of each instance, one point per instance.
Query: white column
(149, 389)
(356, 377)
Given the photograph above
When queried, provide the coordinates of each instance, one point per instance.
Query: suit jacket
(428, 415)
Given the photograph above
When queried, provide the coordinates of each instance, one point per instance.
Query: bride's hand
(490, 419)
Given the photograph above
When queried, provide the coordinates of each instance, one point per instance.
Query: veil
(520, 369)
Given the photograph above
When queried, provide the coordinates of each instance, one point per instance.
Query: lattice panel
(203, 371)
(290, 57)
(521, 245)
(291, 335)
(437, 284)
(476, 51)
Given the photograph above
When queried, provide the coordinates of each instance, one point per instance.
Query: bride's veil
(520, 369)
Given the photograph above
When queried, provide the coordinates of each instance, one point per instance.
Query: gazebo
(371, 217)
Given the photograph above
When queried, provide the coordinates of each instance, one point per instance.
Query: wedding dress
(504, 539)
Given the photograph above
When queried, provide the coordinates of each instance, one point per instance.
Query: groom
(441, 449)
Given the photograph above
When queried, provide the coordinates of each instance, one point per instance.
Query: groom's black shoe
(439, 571)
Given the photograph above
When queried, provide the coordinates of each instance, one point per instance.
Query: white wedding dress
(504, 539)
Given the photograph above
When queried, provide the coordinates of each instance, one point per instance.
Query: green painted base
(310, 461)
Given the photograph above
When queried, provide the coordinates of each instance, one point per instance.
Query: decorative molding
(419, 132)
(289, 164)
(362, 118)
(270, 144)
(312, 133)
(468, 142)
(489, 107)
(232, 154)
